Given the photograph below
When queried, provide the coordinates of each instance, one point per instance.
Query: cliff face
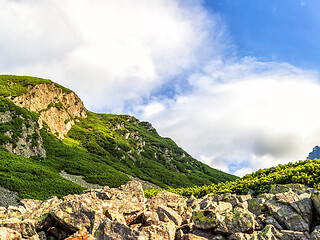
(59, 109)
(21, 134)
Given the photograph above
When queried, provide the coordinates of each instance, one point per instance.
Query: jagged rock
(256, 206)
(227, 197)
(288, 235)
(9, 234)
(124, 213)
(237, 220)
(207, 234)
(208, 218)
(272, 221)
(315, 197)
(25, 227)
(301, 203)
(113, 214)
(28, 142)
(270, 232)
(293, 187)
(204, 219)
(172, 215)
(150, 218)
(164, 231)
(315, 235)
(45, 99)
(287, 216)
(164, 198)
(81, 234)
(116, 231)
(191, 236)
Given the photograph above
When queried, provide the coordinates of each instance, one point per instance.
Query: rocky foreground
(287, 212)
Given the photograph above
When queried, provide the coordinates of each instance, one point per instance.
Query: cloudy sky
(234, 82)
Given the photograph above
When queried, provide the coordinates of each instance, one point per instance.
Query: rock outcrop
(24, 138)
(57, 108)
(289, 212)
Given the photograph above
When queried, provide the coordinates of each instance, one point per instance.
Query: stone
(150, 218)
(164, 231)
(301, 203)
(204, 219)
(171, 200)
(293, 187)
(237, 220)
(272, 221)
(9, 234)
(286, 216)
(116, 231)
(81, 234)
(256, 206)
(315, 234)
(172, 215)
(25, 227)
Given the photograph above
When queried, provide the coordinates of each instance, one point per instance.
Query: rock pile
(287, 212)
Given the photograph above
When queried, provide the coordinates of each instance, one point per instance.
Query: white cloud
(109, 52)
(232, 114)
(247, 114)
(243, 171)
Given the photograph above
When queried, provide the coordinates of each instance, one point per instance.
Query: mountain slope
(303, 172)
(46, 126)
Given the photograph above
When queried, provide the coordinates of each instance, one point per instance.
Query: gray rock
(287, 216)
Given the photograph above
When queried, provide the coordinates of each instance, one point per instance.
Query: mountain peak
(315, 154)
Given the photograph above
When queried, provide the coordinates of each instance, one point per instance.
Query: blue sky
(234, 82)
(273, 30)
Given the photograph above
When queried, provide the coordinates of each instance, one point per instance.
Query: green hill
(45, 129)
(304, 172)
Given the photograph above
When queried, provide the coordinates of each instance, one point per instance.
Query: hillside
(303, 172)
(45, 129)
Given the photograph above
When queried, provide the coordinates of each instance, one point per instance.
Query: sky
(233, 82)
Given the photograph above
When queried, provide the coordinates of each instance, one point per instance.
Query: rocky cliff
(315, 154)
(287, 212)
(58, 108)
(20, 131)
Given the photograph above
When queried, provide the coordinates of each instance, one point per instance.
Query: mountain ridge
(103, 148)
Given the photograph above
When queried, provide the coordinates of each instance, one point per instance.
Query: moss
(207, 219)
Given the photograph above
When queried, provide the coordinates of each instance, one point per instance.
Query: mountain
(315, 154)
(46, 131)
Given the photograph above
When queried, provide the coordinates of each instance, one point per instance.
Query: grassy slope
(96, 150)
(172, 167)
(304, 172)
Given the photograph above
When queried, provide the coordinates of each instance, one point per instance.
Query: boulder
(171, 200)
(237, 220)
(150, 218)
(293, 187)
(163, 231)
(301, 203)
(116, 231)
(171, 214)
(25, 227)
(9, 234)
(286, 216)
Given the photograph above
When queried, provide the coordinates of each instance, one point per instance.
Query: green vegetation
(304, 172)
(135, 148)
(102, 147)
(17, 85)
